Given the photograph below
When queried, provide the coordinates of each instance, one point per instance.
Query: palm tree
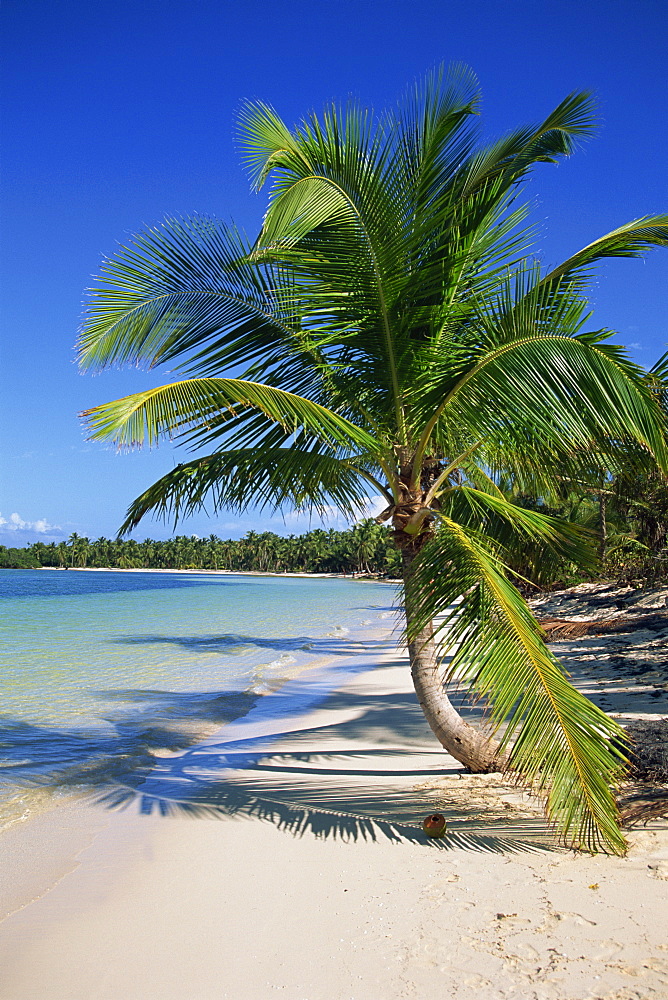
(79, 548)
(397, 338)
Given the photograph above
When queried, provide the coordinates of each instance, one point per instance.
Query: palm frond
(660, 368)
(557, 740)
(268, 142)
(266, 478)
(311, 202)
(188, 286)
(196, 409)
(507, 527)
(631, 240)
(552, 395)
(434, 125)
(572, 120)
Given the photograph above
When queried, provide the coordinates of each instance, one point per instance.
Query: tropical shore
(284, 856)
(224, 572)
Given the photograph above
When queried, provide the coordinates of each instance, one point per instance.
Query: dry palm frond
(562, 628)
(640, 804)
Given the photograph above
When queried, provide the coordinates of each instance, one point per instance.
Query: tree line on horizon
(366, 548)
(628, 516)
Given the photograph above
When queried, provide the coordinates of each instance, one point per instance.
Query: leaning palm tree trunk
(475, 749)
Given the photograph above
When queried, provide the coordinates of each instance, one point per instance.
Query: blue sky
(116, 115)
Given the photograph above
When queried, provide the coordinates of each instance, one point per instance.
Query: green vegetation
(18, 558)
(636, 533)
(365, 549)
(390, 331)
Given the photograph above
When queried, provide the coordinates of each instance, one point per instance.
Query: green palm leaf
(563, 744)
(268, 478)
(557, 135)
(309, 203)
(178, 291)
(198, 408)
(630, 240)
(506, 527)
(577, 396)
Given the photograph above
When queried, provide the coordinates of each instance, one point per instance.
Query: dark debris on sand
(646, 797)
(649, 749)
(631, 627)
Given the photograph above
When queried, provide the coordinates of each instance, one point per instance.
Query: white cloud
(16, 523)
(373, 506)
(369, 507)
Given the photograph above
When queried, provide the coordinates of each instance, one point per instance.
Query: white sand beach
(284, 857)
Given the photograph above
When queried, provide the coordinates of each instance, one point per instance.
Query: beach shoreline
(284, 856)
(358, 577)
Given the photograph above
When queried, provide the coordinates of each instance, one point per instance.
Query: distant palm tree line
(366, 548)
(629, 515)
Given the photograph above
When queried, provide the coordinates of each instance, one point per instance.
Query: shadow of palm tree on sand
(308, 758)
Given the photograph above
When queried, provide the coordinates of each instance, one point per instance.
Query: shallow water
(102, 670)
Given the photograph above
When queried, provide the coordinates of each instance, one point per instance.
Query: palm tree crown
(395, 336)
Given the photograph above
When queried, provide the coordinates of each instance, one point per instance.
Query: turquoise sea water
(102, 670)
